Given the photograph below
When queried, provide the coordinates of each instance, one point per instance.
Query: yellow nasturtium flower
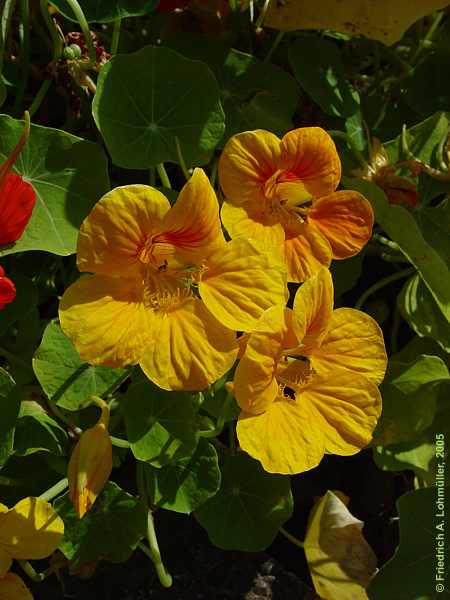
(168, 290)
(283, 192)
(90, 464)
(29, 530)
(307, 381)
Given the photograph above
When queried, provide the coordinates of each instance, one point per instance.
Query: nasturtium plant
(224, 297)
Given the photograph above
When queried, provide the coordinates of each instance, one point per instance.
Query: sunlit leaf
(249, 507)
(376, 19)
(340, 560)
(146, 99)
(36, 431)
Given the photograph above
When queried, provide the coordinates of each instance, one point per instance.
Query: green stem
(62, 417)
(262, 14)
(29, 570)
(213, 172)
(15, 359)
(116, 36)
(274, 46)
(181, 160)
(343, 136)
(153, 551)
(7, 13)
(220, 421)
(291, 538)
(117, 384)
(232, 438)
(55, 490)
(428, 36)
(79, 15)
(163, 176)
(115, 441)
(25, 53)
(381, 284)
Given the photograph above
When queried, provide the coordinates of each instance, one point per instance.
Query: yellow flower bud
(90, 465)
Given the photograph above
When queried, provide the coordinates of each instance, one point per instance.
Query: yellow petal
(313, 306)
(246, 163)
(306, 252)
(354, 342)
(255, 386)
(241, 281)
(90, 465)
(310, 154)
(31, 529)
(345, 219)
(117, 228)
(193, 223)
(5, 562)
(191, 350)
(254, 224)
(347, 407)
(284, 438)
(106, 319)
(12, 587)
(340, 560)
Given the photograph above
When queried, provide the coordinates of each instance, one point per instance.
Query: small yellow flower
(90, 464)
(283, 193)
(29, 530)
(307, 382)
(168, 290)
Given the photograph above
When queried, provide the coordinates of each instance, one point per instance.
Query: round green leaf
(160, 425)
(68, 175)
(111, 530)
(37, 432)
(147, 99)
(105, 11)
(411, 573)
(323, 78)
(64, 377)
(184, 485)
(249, 508)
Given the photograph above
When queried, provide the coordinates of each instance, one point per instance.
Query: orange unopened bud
(90, 465)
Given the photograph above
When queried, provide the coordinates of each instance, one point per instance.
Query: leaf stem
(274, 46)
(79, 15)
(381, 284)
(116, 36)
(55, 490)
(181, 160)
(7, 13)
(25, 53)
(428, 36)
(292, 538)
(120, 443)
(163, 176)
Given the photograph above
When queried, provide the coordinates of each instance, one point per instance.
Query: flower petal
(254, 224)
(310, 154)
(313, 306)
(17, 200)
(345, 218)
(5, 563)
(31, 529)
(354, 342)
(241, 281)
(306, 252)
(255, 386)
(191, 348)
(193, 223)
(107, 320)
(12, 587)
(247, 161)
(7, 290)
(285, 438)
(118, 226)
(347, 407)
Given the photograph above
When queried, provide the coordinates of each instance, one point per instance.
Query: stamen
(165, 301)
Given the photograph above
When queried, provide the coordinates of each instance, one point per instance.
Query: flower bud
(90, 465)
(7, 290)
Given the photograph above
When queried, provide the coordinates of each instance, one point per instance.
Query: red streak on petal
(17, 200)
(181, 238)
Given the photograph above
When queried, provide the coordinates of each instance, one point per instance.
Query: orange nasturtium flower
(29, 530)
(168, 291)
(283, 192)
(90, 464)
(7, 289)
(307, 382)
(17, 197)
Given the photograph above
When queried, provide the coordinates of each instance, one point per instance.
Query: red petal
(17, 199)
(7, 290)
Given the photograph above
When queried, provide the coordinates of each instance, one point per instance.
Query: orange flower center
(292, 375)
(288, 201)
(166, 301)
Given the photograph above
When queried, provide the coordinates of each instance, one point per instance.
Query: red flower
(17, 197)
(7, 290)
